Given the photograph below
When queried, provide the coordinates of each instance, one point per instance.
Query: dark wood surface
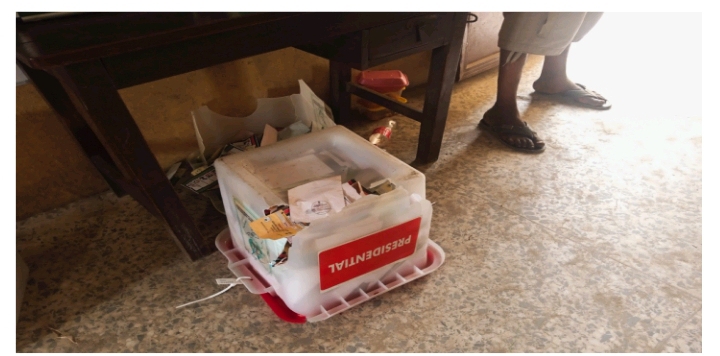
(53, 93)
(385, 101)
(384, 43)
(440, 32)
(90, 36)
(199, 52)
(79, 62)
(100, 35)
(443, 67)
(90, 87)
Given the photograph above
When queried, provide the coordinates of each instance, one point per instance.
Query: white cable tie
(219, 280)
(222, 281)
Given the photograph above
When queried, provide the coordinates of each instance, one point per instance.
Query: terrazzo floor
(593, 246)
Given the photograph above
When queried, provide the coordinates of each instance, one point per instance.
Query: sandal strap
(515, 130)
(585, 92)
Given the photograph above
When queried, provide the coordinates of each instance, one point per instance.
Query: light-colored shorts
(544, 33)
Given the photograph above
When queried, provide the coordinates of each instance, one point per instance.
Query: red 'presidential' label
(366, 254)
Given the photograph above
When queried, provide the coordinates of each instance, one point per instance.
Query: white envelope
(316, 200)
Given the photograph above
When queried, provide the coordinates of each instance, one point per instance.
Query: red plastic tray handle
(281, 310)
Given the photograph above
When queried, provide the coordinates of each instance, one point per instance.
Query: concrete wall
(52, 170)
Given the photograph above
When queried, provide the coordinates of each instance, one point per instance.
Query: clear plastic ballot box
(375, 244)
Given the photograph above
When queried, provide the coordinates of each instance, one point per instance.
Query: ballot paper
(296, 129)
(352, 191)
(275, 226)
(382, 187)
(241, 146)
(270, 136)
(316, 200)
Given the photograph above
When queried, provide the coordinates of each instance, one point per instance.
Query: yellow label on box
(275, 226)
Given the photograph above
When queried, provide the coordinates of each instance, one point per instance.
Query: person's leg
(553, 79)
(505, 111)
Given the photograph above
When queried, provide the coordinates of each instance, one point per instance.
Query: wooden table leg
(443, 67)
(55, 96)
(340, 74)
(94, 96)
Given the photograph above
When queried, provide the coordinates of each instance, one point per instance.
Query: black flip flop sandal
(512, 130)
(574, 96)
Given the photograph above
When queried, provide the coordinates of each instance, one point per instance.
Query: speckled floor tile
(649, 219)
(524, 290)
(687, 339)
(508, 284)
(593, 246)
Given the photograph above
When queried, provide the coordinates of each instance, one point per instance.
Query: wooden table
(79, 62)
